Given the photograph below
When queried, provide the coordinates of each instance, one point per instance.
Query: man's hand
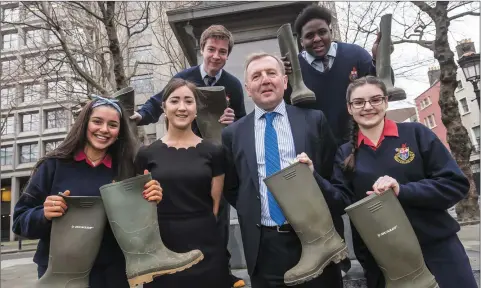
(228, 116)
(136, 117)
(287, 65)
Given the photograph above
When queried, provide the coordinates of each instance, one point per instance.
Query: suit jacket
(311, 134)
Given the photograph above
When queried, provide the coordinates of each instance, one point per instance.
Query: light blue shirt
(287, 151)
(331, 54)
(203, 74)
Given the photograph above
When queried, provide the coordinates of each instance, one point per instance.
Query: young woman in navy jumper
(410, 159)
(98, 149)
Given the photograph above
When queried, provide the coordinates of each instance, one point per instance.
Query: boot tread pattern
(147, 278)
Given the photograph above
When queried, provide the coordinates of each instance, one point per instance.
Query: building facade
(429, 112)
(39, 89)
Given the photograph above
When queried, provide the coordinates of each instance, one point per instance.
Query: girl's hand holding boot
(303, 158)
(383, 184)
(55, 206)
(153, 191)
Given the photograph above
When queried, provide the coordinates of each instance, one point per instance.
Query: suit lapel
(248, 134)
(298, 128)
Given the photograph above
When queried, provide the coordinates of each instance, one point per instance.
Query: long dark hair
(350, 161)
(174, 84)
(122, 150)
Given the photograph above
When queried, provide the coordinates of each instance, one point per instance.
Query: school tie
(273, 164)
(210, 80)
(324, 61)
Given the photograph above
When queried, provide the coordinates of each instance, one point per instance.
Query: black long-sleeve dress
(185, 214)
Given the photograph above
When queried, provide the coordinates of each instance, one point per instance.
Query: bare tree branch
(471, 13)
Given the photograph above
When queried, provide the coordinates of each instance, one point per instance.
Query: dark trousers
(108, 276)
(223, 224)
(447, 261)
(279, 252)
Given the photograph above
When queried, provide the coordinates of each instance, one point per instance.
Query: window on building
(476, 135)
(142, 84)
(56, 119)
(57, 90)
(79, 90)
(6, 155)
(29, 122)
(34, 38)
(32, 92)
(8, 97)
(426, 102)
(11, 14)
(9, 41)
(58, 62)
(8, 125)
(28, 153)
(464, 105)
(31, 11)
(431, 121)
(52, 145)
(33, 64)
(460, 84)
(9, 67)
(140, 54)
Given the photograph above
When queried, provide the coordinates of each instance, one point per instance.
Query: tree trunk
(457, 135)
(108, 13)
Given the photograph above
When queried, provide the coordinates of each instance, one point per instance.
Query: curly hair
(309, 13)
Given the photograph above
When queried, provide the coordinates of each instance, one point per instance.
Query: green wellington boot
(383, 60)
(297, 193)
(288, 46)
(211, 106)
(74, 243)
(389, 236)
(134, 223)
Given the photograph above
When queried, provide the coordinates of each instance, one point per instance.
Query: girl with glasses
(411, 160)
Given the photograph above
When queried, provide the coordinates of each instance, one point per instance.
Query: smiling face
(372, 114)
(180, 108)
(215, 55)
(316, 37)
(265, 82)
(103, 127)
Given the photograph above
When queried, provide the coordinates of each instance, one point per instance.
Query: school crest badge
(404, 155)
(353, 74)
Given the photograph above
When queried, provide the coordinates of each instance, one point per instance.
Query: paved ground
(18, 270)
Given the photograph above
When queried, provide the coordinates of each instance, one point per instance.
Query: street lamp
(469, 62)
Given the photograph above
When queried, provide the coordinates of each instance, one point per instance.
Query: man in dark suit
(271, 246)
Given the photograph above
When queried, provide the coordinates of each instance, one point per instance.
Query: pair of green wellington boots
(133, 221)
(379, 219)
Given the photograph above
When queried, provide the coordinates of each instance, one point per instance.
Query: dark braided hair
(350, 161)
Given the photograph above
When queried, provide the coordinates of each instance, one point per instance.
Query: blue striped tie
(273, 164)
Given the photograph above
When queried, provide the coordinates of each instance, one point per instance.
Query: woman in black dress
(191, 174)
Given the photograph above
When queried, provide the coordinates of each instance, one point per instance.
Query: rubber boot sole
(337, 257)
(147, 278)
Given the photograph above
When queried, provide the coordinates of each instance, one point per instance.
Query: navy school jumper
(152, 109)
(81, 179)
(330, 88)
(430, 183)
